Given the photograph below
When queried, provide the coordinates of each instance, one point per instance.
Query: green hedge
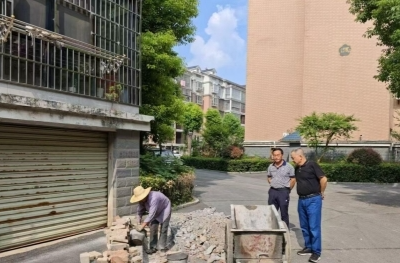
(219, 164)
(345, 172)
(336, 172)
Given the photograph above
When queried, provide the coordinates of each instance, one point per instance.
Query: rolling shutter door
(53, 183)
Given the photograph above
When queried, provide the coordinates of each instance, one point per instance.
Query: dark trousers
(280, 199)
(155, 242)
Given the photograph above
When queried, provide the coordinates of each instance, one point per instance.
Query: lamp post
(190, 143)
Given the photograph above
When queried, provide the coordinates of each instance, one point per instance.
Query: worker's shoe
(304, 252)
(314, 258)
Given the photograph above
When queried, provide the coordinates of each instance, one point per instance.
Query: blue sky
(221, 39)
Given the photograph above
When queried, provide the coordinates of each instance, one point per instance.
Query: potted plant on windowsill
(114, 92)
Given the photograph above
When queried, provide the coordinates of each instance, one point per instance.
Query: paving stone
(116, 246)
(84, 257)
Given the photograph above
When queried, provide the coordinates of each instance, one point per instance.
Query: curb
(367, 183)
(256, 172)
(195, 201)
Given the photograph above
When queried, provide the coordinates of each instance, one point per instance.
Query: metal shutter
(53, 183)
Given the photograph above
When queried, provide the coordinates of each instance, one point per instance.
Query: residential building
(69, 116)
(208, 90)
(306, 56)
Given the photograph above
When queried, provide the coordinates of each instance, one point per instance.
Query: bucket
(136, 237)
(177, 258)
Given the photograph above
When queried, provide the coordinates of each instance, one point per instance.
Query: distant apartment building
(208, 90)
(306, 56)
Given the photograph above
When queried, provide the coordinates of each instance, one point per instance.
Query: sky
(220, 39)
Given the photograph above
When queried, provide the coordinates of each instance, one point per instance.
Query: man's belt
(281, 188)
(309, 196)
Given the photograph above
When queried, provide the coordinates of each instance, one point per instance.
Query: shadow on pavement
(378, 194)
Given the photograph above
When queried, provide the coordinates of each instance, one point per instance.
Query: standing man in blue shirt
(159, 208)
(281, 178)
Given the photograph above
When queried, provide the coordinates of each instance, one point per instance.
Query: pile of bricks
(119, 250)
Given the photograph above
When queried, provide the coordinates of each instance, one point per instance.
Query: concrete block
(123, 201)
(116, 259)
(117, 246)
(137, 259)
(132, 163)
(120, 163)
(123, 192)
(135, 251)
(84, 257)
(94, 255)
(135, 172)
(123, 173)
(102, 260)
(119, 238)
(124, 211)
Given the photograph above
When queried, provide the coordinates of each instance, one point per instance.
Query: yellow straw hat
(139, 193)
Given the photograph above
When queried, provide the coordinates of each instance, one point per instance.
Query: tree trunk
(189, 143)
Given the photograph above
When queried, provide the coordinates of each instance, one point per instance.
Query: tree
(385, 15)
(236, 131)
(323, 128)
(396, 134)
(165, 24)
(215, 134)
(221, 133)
(192, 121)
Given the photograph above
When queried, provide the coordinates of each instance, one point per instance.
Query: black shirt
(307, 178)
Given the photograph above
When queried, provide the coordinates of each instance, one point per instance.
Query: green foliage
(365, 156)
(192, 117)
(173, 15)
(234, 129)
(166, 23)
(115, 92)
(349, 172)
(324, 128)
(156, 166)
(385, 17)
(179, 190)
(173, 179)
(220, 164)
(221, 133)
(396, 134)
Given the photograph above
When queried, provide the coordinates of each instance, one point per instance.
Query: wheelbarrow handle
(261, 255)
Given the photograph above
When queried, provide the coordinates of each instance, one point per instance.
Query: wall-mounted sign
(344, 50)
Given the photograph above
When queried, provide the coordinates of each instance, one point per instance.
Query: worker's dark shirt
(307, 178)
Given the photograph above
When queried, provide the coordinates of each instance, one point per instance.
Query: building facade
(208, 90)
(69, 116)
(304, 56)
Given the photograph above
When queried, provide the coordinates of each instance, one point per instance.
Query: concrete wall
(123, 170)
(334, 154)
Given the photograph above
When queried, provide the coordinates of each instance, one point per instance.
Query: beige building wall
(294, 68)
(274, 67)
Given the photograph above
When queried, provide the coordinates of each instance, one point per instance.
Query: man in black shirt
(311, 185)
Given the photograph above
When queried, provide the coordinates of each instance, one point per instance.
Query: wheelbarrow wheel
(229, 242)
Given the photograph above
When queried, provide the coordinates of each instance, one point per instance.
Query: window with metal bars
(87, 36)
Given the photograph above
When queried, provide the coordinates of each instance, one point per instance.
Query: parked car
(168, 155)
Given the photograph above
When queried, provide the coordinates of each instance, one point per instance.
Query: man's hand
(141, 227)
(323, 196)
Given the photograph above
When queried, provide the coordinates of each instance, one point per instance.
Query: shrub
(173, 179)
(350, 172)
(365, 156)
(236, 152)
(219, 164)
(179, 190)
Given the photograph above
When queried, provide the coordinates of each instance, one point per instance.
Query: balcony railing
(34, 56)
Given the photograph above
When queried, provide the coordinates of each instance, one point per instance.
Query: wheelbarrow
(256, 234)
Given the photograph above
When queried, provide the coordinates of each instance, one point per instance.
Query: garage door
(53, 183)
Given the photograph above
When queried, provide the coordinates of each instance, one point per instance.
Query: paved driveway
(360, 221)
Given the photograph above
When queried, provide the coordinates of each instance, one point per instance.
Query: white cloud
(224, 44)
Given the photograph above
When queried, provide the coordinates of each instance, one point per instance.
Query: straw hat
(139, 193)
